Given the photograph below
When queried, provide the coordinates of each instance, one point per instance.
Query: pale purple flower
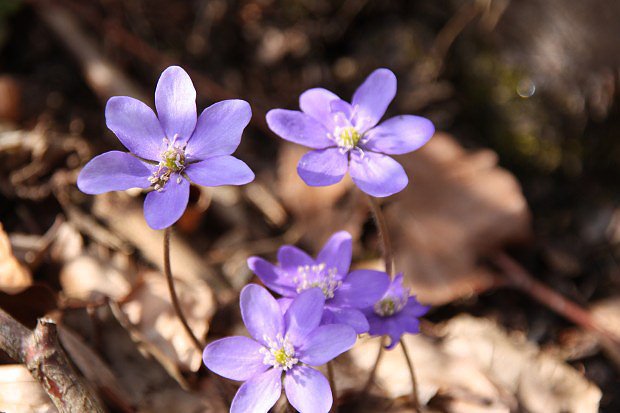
(281, 344)
(171, 149)
(345, 293)
(346, 136)
(396, 313)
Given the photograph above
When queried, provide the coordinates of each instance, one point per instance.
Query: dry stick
(381, 224)
(173, 294)
(40, 351)
(414, 383)
(332, 384)
(519, 278)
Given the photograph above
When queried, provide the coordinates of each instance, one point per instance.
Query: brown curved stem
(388, 255)
(332, 384)
(414, 383)
(173, 294)
(373, 372)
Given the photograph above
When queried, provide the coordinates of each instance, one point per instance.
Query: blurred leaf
(14, 277)
(21, 393)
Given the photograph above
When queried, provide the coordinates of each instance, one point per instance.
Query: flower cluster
(322, 304)
(322, 308)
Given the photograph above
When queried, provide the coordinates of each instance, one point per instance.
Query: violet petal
(322, 167)
(326, 343)
(175, 100)
(163, 208)
(304, 315)
(349, 316)
(259, 394)
(297, 127)
(136, 126)
(336, 253)
(236, 358)
(113, 171)
(220, 170)
(316, 103)
(377, 174)
(219, 129)
(361, 289)
(261, 313)
(272, 277)
(372, 98)
(291, 258)
(307, 390)
(399, 135)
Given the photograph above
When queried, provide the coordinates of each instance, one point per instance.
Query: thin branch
(41, 353)
(414, 383)
(173, 294)
(373, 372)
(382, 228)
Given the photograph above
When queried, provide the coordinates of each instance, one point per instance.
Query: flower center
(348, 137)
(172, 160)
(280, 353)
(390, 305)
(310, 276)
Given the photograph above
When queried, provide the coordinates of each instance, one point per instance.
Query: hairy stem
(414, 383)
(373, 372)
(381, 224)
(332, 384)
(173, 294)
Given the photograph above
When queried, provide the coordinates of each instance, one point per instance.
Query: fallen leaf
(474, 366)
(21, 393)
(149, 308)
(89, 279)
(14, 278)
(459, 207)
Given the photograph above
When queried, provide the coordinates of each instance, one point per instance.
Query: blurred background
(511, 208)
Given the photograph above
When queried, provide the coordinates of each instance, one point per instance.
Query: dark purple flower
(169, 150)
(396, 313)
(346, 136)
(280, 343)
(345, 293)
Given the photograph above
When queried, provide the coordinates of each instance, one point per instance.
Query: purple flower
(346, 136)
(280, 343)
(169, 150)
(395, 314)
(345, 293)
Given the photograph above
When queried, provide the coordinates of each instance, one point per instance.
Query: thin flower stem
(373, 372)
(332, 384)
(388, 256)
(173, 294)
(414, 383)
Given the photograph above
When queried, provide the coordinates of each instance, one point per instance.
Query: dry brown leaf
(21, 393)
(458, 207)
(14, 278)
(89, 279)
(541, 382)
(475, 367)
(150, 310)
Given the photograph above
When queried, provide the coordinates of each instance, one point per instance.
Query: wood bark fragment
(41, 353)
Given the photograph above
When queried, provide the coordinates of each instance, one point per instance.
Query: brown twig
(414, 383)
(40, 352)
(519, 278)
(373, 372)
(173, 294)
(382, 228)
